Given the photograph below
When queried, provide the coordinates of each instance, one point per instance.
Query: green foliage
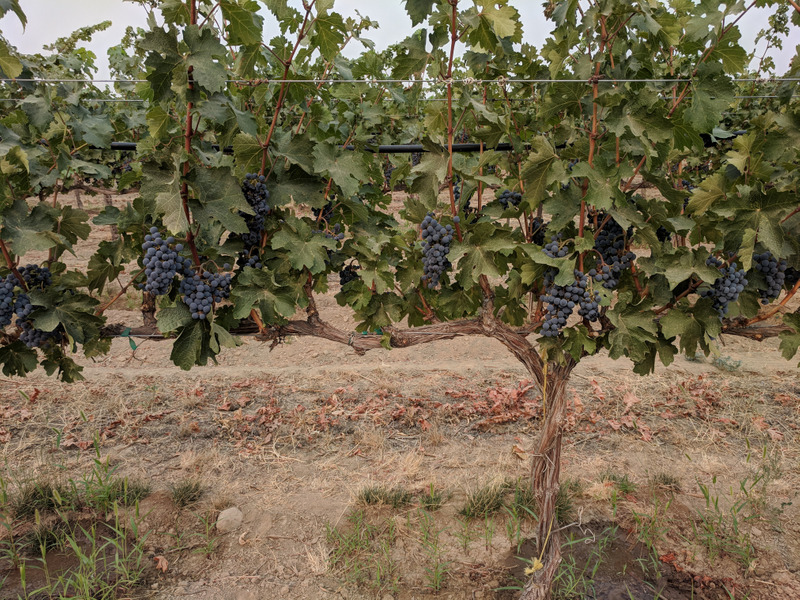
(677, 137)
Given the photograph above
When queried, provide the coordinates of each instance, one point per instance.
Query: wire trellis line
(86, 101)
(467, 80)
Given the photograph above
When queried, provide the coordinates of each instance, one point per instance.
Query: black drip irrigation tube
(708, 141)
(384, 149)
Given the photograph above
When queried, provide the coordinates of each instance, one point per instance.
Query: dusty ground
(292, 437)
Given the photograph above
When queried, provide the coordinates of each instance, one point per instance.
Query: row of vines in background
(647, 202)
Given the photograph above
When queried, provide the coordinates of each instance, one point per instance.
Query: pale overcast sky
(50, 19)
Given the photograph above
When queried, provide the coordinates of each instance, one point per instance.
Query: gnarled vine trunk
(545, 473)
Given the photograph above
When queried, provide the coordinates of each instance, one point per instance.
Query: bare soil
(293, 436)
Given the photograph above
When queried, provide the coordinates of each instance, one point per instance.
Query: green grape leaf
(187, 350)
(172, 318)
(206, 56)
(305, 250)
(18, 359)
(163, 186)
(257, 288)
(244, 23)
(418, 10)
(220, 197)
(74, 312)
(10, 65)
(790, 340)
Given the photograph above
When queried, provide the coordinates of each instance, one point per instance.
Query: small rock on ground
(229, 520)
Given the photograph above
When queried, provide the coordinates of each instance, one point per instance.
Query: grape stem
(287, 65)
(692, 288)
(453, 39)
(187, 146)
(773, 311)
(101, 309)
(12, 266)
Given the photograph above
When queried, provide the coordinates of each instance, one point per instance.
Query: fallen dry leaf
(161, 563)
(776, 435)
(5, 436)
(630, 399)
(519, 452)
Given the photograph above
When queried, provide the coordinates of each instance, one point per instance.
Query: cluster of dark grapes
(123, 167)
(36, 338)
(538, 228)
(663, 234)
(348, 274)
(560, 301)
(7, 285)
(334, 233)
(791, 277)
(572, 163)
(508, 199)
(325, 213)
(254, 262)
(611, 244)
(435, 248)
(256, 193)
(554, 249)
(463, 137)
(34, 277)
(604, 275)
(457, 187)
(161, 262)
(774, 272)
(200, 293)
(416, 158)
(388, 169)
(727, 287)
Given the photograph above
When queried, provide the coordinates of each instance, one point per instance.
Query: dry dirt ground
(682, 484)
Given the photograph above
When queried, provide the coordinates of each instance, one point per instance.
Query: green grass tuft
(187, 492)
(485, 501)
(380, 495)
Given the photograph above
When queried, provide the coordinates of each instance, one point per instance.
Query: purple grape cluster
(538, 228)
(509, 199)
(334, 233)
(36, 338)
(435, 248)
(200, 293)
(254, 262)
(326, 212)
(256, 193)
(34, 277)
(774, 272)
(161, 262)
(7, 285)
(791, 277)
(611, 244)
(348, 274)
(727, 287)
(560, 302)
(388, 170)
(554, 249)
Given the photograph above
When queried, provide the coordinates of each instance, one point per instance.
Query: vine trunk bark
(545, 475)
